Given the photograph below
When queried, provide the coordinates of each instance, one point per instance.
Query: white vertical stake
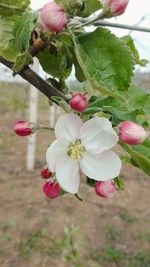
(33, 112)
(52, 114)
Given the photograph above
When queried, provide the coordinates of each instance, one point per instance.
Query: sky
(134, 12)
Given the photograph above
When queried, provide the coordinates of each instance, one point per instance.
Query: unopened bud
(24, 128)
(132, 133)
(51, 189)
(78, 102)
(115, 7)
(52, 18)
(46, 173)
(105, 189)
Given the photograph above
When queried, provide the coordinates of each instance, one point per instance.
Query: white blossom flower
(84, 146)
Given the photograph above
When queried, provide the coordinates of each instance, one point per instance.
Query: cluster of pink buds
(105, 189)
(24, 128)
(78, 102)
(52, 18)
(132, 133)
(115, 7)
(51, 189)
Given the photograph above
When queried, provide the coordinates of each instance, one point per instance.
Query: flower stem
(89, 21)
(46, 127)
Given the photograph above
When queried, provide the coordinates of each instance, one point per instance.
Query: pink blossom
(105, 189)
(131, 133)
(78, 102)
(52, 18)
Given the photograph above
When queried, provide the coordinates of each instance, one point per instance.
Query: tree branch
(33, 78)
(121, 26)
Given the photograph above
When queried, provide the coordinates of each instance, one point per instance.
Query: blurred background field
(37, 232)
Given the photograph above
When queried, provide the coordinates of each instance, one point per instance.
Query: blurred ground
(36, 232)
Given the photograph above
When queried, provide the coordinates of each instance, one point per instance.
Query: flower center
(76, 150)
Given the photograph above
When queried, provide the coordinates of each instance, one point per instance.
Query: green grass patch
(112, 254)
(113, 234)
(144, 236)
(140, 259)
(65, 247)
(32, 242)
(128, 218)
(109, 254)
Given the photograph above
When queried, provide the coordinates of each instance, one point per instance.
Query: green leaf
(13, 7)
(93, 110)
(71, 7)
(82, 8)
(90, 7)
(22, 30)
(62, 103)
(119, 183)
(8, 48)
(21, 61)
(67, 41)
(139, 98)
(90, 182)
(130, 43)
(78, 71)
(140, 154)
(56, 61)
(137, 107)
(15, 34)
(144, 148)
(105, 60)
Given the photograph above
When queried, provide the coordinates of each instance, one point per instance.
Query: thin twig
(122, 26)
(90, 21)
(33, 78)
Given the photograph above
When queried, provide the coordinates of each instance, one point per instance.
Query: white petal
(101, 141)
(93, 127)
(68, 127)
(54, 152)
(67, 174)
(102, 167)
(97, 135)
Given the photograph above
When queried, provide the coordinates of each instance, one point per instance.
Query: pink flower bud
(51, 189)
(115, 7)
(52, 18)
(78, 102)
(105, 189)
(24, 128)
(45, 173)
(131, 133)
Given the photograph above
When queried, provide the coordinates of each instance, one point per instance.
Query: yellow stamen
(76, 150)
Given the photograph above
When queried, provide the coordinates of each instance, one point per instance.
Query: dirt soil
(37, 232)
